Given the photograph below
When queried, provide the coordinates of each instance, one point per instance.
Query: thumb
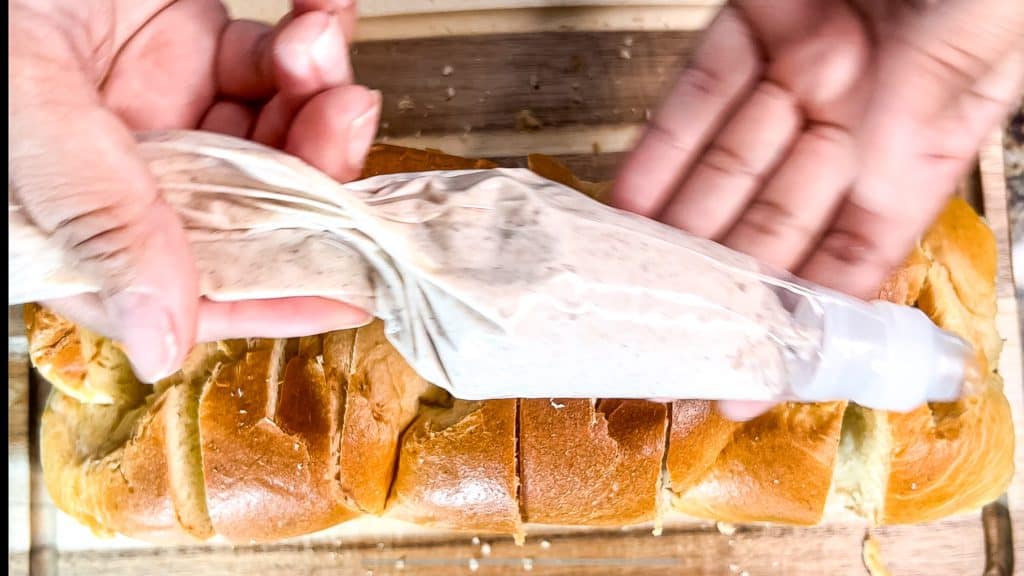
(75, 170)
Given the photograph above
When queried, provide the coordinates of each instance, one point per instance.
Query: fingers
(742, 411)
(343, 10)
(724, 70)
(736, 163)
(231, 118)
(92, 193)
(863, 246)
(310, 56)
(788, 216)
(945, 50)
(931, 72)
(245, 61)
(275, 318)
(335, 129)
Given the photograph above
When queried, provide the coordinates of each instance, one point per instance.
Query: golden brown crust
(266, 423)
(590, 463)
(57, 352)
(457, 468)
(124, 490)
(381, 397)
(776, 468)
(387, 159)
(949, 458)
(555, 171)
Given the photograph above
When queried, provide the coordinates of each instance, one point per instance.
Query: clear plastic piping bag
(499, 283)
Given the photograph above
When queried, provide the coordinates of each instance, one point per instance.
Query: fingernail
(362, 131)
(147, 334)
(330, 54)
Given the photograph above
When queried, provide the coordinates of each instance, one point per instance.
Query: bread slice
(381, 397)
(590, 462)
(131, 465)
(266, 424)
(776, 468)
(457, 468)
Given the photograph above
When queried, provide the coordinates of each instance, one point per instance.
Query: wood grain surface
(587, 73)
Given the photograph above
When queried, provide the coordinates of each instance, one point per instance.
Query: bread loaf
(257, 440)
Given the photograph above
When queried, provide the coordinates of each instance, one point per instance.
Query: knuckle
(771, 218)
(857, 250)
(723, 157)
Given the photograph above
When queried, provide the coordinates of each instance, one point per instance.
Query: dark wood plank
(562, 78)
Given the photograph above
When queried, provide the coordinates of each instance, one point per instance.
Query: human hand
(824, 136)
(85, 75)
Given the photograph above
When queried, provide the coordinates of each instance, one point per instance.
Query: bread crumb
(726, 528)
(527, 564)
(474, 564)
(627, 41)
(526, 121)
(475, 540)
(545, 544)
(734, 569)
(913, 485)
(295, 446)
(380, 546)
(485, 549)
(447, 70)
(449, 93)
(871, 554)
(400, 564)
(625, 54)
(556, 405)
(299, 466)
(775, 481)
(243, 411)
(240, 394)
(406, 103)
(656, 531)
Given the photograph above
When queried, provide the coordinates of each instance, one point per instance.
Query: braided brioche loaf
(264, 439)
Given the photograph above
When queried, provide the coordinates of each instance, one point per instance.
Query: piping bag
(499, 283)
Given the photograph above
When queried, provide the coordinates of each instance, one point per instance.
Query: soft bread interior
(862, 466)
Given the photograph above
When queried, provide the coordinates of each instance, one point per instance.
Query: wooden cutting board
(500, 79)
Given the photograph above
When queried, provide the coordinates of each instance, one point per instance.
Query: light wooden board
(590, 89)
